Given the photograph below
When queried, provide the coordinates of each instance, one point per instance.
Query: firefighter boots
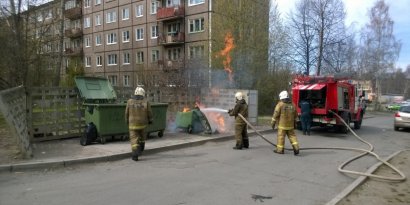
(246, 143)
(295, 149)
(278, 152)
(134, 155)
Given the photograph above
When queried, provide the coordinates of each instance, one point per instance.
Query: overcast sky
(357, 10)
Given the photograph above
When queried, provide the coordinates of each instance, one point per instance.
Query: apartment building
(155, 43)
(145, 42)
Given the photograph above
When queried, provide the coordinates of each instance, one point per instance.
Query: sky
(357, 13)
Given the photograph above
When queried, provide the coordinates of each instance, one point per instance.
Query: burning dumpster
(104, 115)
(193, 121)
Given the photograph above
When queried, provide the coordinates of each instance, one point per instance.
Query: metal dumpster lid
(95, 88)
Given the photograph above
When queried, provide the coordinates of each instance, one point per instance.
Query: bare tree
(328, 17)
(380, 49)
(279, 49)
(302, 40)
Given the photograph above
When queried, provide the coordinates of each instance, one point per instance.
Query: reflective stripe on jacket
(285, 113)
(138, 113)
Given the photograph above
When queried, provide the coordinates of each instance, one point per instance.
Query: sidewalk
(65, 152)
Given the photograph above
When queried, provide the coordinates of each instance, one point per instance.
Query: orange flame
(229, 45)
(186, 109)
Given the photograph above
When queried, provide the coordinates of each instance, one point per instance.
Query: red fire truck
(327, 93)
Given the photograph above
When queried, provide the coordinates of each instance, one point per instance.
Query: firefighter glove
(273, 125)
(230, 111)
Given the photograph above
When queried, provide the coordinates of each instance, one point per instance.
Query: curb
(112, 157)
(359, 180)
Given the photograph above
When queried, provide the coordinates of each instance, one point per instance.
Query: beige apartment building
(155, 43)
(146, 42)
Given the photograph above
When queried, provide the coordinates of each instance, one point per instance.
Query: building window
(87, 41)
(111, 38)
(111, 17)
(139, 34)
(98, 40)
(154, 6)
(196, 25)
(112, 59)
(97, 20)
(88, 61)
(139, 9)
(196, 52)
(126, 58)
(195, 2)
(125, 13)
(154, 31)
(155, 56)
(87, 22)
(112, 79)
(86, 3)
(126, 80)
(173, 29)
(171, 3)
(98, 61)
(125, 36)
(174, 54)
(140, 57)
(97, 2)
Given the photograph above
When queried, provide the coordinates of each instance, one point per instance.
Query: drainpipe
(210, 43)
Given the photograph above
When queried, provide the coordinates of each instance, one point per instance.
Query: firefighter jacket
(138, 113)
(285, 114)
(240, 108)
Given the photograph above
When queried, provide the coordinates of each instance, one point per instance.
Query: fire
(226, 52)
(186, 109)
(221, 123)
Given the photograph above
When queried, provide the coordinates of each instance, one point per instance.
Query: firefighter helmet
(283, 95)
(238, 96)
(139, 91)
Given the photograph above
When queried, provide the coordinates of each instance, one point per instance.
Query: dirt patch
(381, 192)
(9, 152)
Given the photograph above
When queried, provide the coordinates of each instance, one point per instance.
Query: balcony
(170, 13)
(78, 51)
(73, 13)
(169, 65)
(73, 33)
(171, 39)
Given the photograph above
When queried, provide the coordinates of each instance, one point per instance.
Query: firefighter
(306, 116)
(138, 115)
(241, 130)
(285, 116)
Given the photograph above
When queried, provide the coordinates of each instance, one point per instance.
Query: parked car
(393, 107)
(402, 117)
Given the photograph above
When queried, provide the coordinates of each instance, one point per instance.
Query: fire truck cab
(327, 93)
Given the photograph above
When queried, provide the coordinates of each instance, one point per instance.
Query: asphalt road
(211, 174)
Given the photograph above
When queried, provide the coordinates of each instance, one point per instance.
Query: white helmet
(139, 91)
(283, 95)
(239, 96)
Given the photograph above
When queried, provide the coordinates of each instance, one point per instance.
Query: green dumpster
(106, 114)
(193, 122)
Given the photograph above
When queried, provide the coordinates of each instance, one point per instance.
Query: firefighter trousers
(137, 137)
(281, 139)
(241, 135)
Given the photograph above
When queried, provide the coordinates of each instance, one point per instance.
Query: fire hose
(341, 166)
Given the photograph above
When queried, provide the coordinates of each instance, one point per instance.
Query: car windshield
(405, 109)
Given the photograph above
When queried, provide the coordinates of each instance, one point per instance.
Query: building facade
(157, 43)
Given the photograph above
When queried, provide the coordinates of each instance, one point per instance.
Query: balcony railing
(170, 65)
(78, 51)
(169, 13)
(170, 39)
(73, 13)
(73, 33)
